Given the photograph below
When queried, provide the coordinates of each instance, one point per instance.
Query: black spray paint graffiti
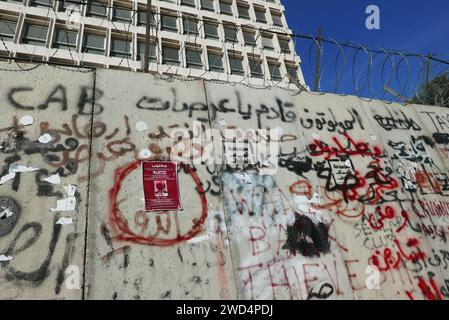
(413, 150)
(41, 273)
(308, 238)
(322, 121)
(158, 104)
(441, 138)
(50, 152)
(399, 121)
(281, 110)
(440, 122)
(325, 291)
(59, 96)
(31, 233)
(295, 163)
(9, 215)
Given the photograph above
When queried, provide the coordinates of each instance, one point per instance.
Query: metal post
(428, 68)
(147, 38)
(318, 61)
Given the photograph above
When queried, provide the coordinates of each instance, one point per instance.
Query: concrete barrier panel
(134, 254)
(44, 152)
(266, 207)
(417, 163)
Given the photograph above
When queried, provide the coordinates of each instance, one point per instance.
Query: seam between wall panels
(85, 291)
(220, 171)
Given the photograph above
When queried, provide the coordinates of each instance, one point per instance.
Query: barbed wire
(331, 66)
(369, 72)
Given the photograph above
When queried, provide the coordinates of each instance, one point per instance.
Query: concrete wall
(349, 188)
(36, 105)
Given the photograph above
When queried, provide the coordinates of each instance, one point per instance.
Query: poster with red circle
(160, 186)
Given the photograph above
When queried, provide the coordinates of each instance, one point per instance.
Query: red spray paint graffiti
(120, 224)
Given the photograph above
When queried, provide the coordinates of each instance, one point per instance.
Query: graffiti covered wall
(44, 152)
(284, 197)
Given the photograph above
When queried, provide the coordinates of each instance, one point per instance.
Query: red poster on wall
(160, 185)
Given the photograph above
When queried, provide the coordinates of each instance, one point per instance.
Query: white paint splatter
(45, 138)
(6, 213)
(26, 120)
(70, 189)
(7, 177)
(145, 154)
(348, 163)
(306, 207)
(373, 137)
(65, 204)
(64, 221)
(5, 258)
(21, 168)
(222, 122)
(53, 179)
(315, 136)
(68, 203)
(141, 126)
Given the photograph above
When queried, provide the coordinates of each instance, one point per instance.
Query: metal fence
(372, 72)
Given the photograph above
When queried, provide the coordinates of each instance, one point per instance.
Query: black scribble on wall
(308, 238)
(296, 164)
(325, 291)
(441, 138)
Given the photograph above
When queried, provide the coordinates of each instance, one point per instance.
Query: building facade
(226, 40)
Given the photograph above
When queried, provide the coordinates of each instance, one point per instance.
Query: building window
(210, 30)
(260, 15)
(96, 9)
(230, 32)
(249, 38)
(243, 11)
(193, 58)
(168, 22)
(34, 34)
(190, 25)
(65, 39)
(40, 3)
(226, 7)
(142, 17)
(292, 72)
(275, 72)
(120, 47)
(93, 42)
(277, 19)
(190, 3)
(170, 55)
(255, 67)
(63, 5)
(215, 61)
(207, 5)
(267, 41)
(284, 44)
(121, 13)
(141, 51)
(7, 28)
(236, 65)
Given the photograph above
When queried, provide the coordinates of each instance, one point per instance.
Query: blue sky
(416, 25)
